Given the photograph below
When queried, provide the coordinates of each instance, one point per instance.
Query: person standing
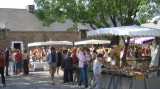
(2, 64)
(97, 71)
(148, 51)
(68, 67)
(39, 54)
(106, 55)
(51, 59)
(34, 57)
(59, 62)
(74, 56)
(25, 62)
(84, 58)
(132, 53)
(14, 60)
(11, 63)
(19, 60)
(7, 61)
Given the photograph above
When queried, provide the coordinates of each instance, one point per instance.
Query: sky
(18, 4)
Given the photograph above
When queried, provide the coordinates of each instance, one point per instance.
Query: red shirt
(2, 62)
(146, 51)
(75, 59)
(18, 57)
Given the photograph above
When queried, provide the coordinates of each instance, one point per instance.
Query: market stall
(130, 77)
(38, 56)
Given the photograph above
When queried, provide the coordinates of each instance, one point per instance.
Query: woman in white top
(11, 63)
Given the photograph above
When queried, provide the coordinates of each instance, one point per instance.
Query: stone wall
(29, 37)
(63, 36)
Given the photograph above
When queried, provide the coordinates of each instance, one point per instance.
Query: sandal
(52, 83)
(4, 84)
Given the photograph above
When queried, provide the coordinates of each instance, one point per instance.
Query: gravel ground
(36, 80)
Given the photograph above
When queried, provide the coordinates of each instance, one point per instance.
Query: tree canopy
(96, 13)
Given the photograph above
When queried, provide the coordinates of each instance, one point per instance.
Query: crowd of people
(83, 57)
(138, 51)
(38, 54)
(13, 62)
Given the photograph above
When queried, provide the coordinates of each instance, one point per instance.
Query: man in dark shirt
(53, 57)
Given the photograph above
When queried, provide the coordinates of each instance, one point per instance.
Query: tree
(96, 13)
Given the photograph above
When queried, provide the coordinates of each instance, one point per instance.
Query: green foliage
(149, 11)
(72, 29)
(96, 13)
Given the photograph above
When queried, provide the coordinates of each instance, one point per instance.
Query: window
(2, 34)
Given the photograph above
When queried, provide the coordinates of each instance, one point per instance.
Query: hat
(99, 55)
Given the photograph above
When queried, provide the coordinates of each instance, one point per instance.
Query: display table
(39, 66)
(123, 81)
(111, 80)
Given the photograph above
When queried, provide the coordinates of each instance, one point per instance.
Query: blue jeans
(84, 76)
(15, 68)
(7, 65)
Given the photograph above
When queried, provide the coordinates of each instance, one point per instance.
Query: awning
(140, 40)
(92, 42)
(50, 43)
(35, 44)
(57, 43)
(131, 31)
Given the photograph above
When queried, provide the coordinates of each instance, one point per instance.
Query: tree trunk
(125, 50)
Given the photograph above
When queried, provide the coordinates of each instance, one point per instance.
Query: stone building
(18, 27)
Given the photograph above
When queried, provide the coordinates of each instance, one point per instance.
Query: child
(97, 71)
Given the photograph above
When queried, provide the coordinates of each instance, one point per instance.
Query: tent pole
(73, 44)
(134, 44)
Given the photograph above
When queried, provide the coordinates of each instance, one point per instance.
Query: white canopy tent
(50, 43)
(92, 42)
(57, 43)
(132, 31)
(35, 44)
(135, 31)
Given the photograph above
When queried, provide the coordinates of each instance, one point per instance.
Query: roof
(2, 25)
(64, 26)
(19, 20)
(152, 25)
(59, 26)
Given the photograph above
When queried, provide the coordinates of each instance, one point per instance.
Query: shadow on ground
(36, 80)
